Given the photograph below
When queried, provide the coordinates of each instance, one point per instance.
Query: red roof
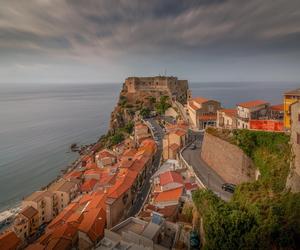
(193, 106)
(9, 240)
(174, 146)
(105, 153)
(229, 112)
(170, 195)
(88, 185)
(252, 104)
(93, 223)
(199, 100)
(180, 132)
(278, 107)
(207, 117)
(190, 186)
(170, 177)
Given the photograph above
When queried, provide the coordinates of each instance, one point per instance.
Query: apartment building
(290, 97)
(203, 112)
(26, 222)
(64, 191)
(45, 202)
(227, 118)
(251, 110)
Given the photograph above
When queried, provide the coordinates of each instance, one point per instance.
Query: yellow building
(290, 97)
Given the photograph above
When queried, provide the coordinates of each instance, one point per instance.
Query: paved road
(142, 195)
(206, 174)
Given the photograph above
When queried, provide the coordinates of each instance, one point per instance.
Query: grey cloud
(120, 29)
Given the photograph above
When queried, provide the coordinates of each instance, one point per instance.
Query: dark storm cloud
(150, 25)
(119, 30)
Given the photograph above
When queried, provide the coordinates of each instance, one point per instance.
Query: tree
(145, 112)
(162, 105)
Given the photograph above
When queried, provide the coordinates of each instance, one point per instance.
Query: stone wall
(228, 160)
(293, 181)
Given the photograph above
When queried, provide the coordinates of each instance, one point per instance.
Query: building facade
(226, 118)
(290, 97)
(252, 110)
(203, 112)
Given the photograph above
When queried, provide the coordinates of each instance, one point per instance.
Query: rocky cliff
(143, 93)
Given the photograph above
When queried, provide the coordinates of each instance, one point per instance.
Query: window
(299, 117)
(298, 139)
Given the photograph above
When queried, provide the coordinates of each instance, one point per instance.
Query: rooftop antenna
(165, 72)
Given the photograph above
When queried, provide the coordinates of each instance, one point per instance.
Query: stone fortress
(159, 85)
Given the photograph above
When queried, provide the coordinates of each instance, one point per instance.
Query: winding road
(207, 175)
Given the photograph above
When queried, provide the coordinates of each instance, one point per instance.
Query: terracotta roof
(180, 132)
(193, 106)
(124, 181)
(278, 107)
(170, 195)
(38, 196)
(138, 165)
(293, 92)
(97, 201)
(93, 223)
(229, 112)
(73, 175)
(129, 152)
(88, 185)
(190, 186)
(35, 246)
(9, 240)
(62, 185)
(140, 126)
(29, 212)
(174, 146)
(167, 211)
(105, 153)
(252, 104)
(170, 177)
(207, 117)
(199, 100)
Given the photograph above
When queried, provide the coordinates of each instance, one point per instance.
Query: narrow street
(142, 195)
(206, 174)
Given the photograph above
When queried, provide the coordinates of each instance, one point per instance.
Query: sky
(103, 41)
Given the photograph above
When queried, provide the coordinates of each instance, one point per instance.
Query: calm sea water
(39, 122)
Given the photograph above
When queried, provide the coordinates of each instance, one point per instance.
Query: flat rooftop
(293, 92)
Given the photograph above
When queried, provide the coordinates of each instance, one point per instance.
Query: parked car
(229, 187)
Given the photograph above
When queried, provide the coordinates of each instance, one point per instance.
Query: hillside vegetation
(261, 214)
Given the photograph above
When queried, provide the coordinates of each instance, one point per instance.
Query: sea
(39, 122)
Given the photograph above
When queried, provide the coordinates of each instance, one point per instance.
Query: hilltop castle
(159, 85)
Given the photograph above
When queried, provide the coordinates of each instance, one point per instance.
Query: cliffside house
(105, 158)
(227, 118)
(9, 240)
(141, 131)
(26, 223)
(81, 224)
(251, 110)
(290, 97)
(64, 191)
(174, 139)
(45, 202)
(167, 181)
(167, 198)
(295, 141)
(203, 112)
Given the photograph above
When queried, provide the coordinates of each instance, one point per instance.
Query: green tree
(145, 112)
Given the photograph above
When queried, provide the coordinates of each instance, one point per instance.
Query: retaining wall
(228, 160)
